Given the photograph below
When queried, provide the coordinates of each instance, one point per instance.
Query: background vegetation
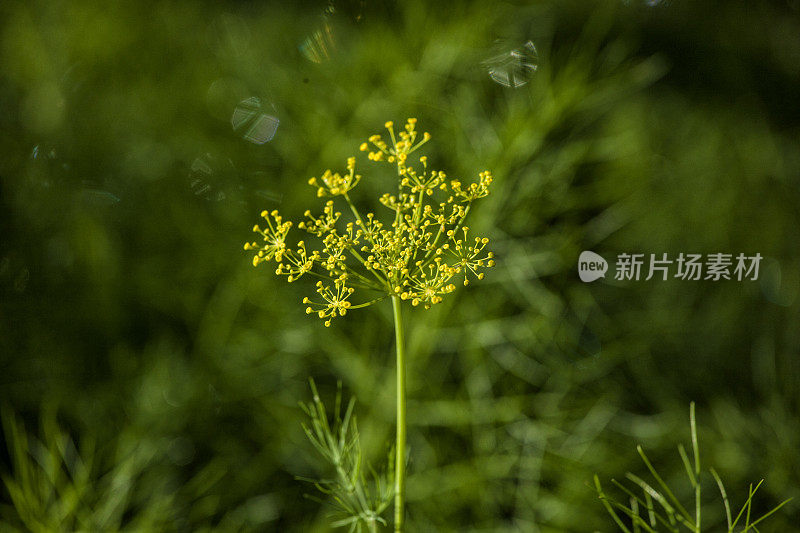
(157, 375)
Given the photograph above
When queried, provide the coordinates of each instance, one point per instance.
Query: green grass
(658, 509)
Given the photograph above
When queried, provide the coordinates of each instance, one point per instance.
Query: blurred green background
(157, 374)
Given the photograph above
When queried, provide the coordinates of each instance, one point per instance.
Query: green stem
(696, 449)
(367, 285)
(367, 304)
(355, 254)
(426, 260)
(400, 445)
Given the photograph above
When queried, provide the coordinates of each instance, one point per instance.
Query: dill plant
(359, 500)
(58, 485)
(417, 255)
(658, 509)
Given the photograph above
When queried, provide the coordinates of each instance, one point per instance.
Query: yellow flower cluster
(334, 184)
(416, 257)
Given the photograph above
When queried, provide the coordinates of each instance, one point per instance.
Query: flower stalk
(400, 444)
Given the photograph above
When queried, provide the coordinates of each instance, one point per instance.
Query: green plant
(55, 486)
(60, 484)
(674, 516)
(416, 257)
(360, 500)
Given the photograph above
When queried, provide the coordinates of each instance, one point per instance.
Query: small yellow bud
(363, 147)
(389, 124)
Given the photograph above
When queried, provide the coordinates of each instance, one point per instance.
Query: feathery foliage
(658, 509)
(358, 493)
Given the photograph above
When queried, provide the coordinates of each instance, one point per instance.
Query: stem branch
(400, 445)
